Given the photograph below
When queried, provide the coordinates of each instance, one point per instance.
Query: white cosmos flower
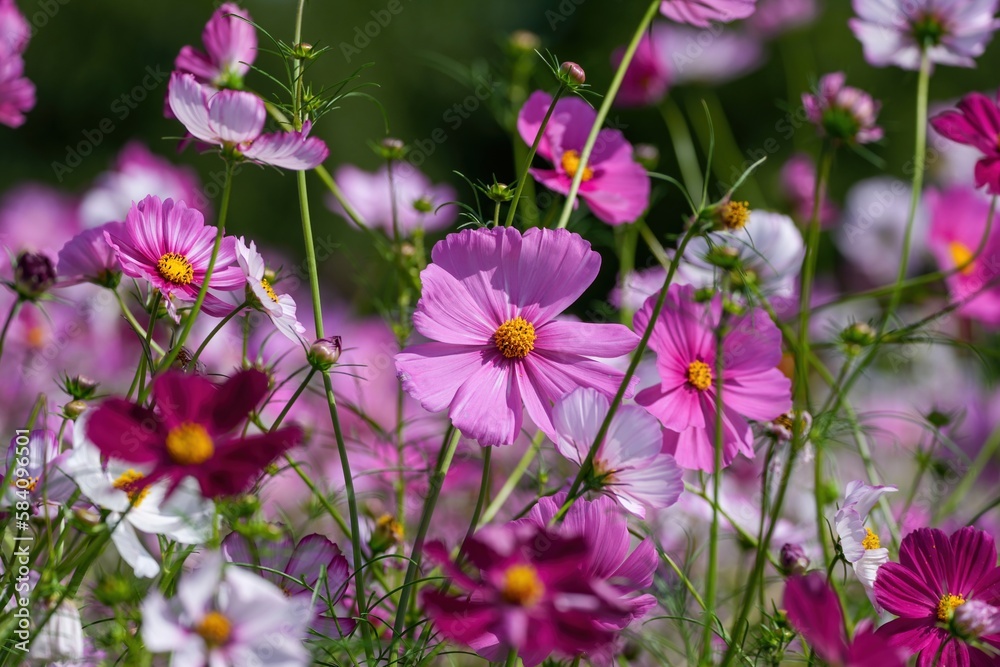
(861, 546)
(185, 517)
(279, 307)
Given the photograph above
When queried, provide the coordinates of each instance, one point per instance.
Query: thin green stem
(512, 480)
(484, 492)
(524, 175)
(628, 239)
(227, 189)
(983, 458)
(134, 323)
(214, 331)
(680, 136)
(602, 113)
(6, 324)
(511, 658)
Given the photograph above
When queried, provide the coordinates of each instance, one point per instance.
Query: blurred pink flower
(685, 399)
(976, 123)
(798, 180)
(231, 45)
(615, 186)
(842, 112)
(702, 13)
(489, 303)
(774, 17)
(417, 199)
(17, 93)
(234, 120)
(893, 32)
(88, 257)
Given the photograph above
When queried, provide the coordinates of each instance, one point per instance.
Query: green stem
(484, 492)
(602, 113)
(628, 239)
(680, 136)
(134, 323)
(227, 189)
(511, 658)
(436, 482)
(515, 476)
(6, 325)
(919, 165)
(986, 454)
(524, 176)
(214, 331)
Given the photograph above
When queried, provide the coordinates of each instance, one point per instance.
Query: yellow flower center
(127, 483)
(947, 606)
(699, 375)
(571, 164)
(604, 472)
(175, 268)
(735, 214)
(214, 629)
(515, 338)
(270, 290)
(521, 586)
(189, 444)
(871, 540)
(388, 526)
(35, 337)
(962, 256)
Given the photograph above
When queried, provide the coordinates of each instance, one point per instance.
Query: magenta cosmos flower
(234, 120)
(538, 601)
(814, 611)
(313, 566)
(193, 432)
(168, 244)
(230, 48)
(629, 463)
(88, 257)
(841, 112)
(894, 32)
(685, 399)
(935, 576)
(17, 93)
(418, 201)
(958, 223)
(976, 123)
(615, 186)
(489, 303)
(702, 13)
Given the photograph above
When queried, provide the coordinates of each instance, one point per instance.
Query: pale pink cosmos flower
(489, 305)
(861, 546)
(231, 46)
(842, 112)
(685, 398)
(418, 200)
(168, 244)
(629, 461)
(279, 307)
(88, 257)
(227, 617)
(774, 17)
(702, 13)
(235, 119)
(894, 32)
(614, 185)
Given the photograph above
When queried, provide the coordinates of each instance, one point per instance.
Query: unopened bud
(500, 192)
(34, 274)
(80, 387)
(794, 559)
(302, 51)
(647, 155)
(572, 74)
(325, 352)
(74, 409)
(391, 148)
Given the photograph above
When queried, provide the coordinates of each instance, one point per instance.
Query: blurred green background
(86, 54)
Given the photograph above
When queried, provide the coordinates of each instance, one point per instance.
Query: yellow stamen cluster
(389, 526)
(871, 541)
(270, 290)
(734, 215)
(699, 375)
(175, 268)
(962, 256)
(127, 483)
(571, 165)
(515, 338)
(521, 586)
(189, 444)
(214, 629)
(947, 606)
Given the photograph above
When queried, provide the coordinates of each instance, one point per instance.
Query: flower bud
(723, 257)
(80, 387)
(302, 51)
(34, 274)
(113, 590)
(324, 353)
(647, 155)
(734, 215)
(572, 74)
(500, 192)
(857, 336)
(793, 559)
(391, 148)
(74, 409)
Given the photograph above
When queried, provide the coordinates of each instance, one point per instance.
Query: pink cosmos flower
(15, 31)
(814, 612)
(958, 222)
(934, 577)
(628, 463)
(313, 565)
(417, 199)
(893, 32)
(685, 399)
(231, 43)
(535, 600)
(490, 298)
(976, 123)
(137, 173)
(841, 112)
(774, 17)
(224, 616)
(192, 432)
(702, 13)
(36, 217)
(647, 78)
(798, 180)
(235, 119)
(17, 93)
(169, 245)
(88, 257)
(615, 186)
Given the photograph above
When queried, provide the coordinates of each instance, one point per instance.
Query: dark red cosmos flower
(192, 432)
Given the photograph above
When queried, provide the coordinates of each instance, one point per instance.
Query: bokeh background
(85, 55)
